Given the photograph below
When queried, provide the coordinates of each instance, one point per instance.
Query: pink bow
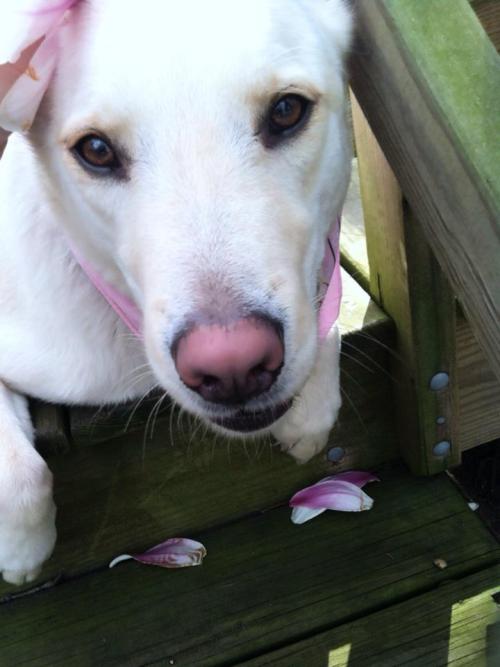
(28, 54)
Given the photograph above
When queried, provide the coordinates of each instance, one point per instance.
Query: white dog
(187, 160)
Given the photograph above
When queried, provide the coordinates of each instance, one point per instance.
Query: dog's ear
(28, 55)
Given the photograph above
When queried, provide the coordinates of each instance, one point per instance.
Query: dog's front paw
(305, 447)
(303, 431)
(27, 521)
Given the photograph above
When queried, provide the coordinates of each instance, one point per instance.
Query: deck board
(457, 624)
(265, 583)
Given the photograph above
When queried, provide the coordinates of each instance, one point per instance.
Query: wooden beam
(478, 391)
(428, 79)
(488, 12)
(407, 283)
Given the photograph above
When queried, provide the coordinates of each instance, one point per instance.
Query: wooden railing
(427, 77)
(426, 115)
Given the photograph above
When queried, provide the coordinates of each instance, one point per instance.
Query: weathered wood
(488, 12)
(478, 392)
(430, 89)
(477, 415)
(264, 583)
(406, 281)
(457, 624)
(353, 236)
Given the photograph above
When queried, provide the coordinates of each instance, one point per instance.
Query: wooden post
(407, 283)
(428, 80)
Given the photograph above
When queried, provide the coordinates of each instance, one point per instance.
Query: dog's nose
(230, 363)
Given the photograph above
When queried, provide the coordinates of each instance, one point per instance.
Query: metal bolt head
(335, 454)
(439, 381)
(442, 448)
(441, 421)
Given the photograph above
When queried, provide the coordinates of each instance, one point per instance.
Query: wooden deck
(344, 589)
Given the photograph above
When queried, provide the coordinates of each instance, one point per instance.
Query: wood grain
(488, 12)
(407, 283)
(265, 583)
(478, 391)
(431, 92)
(457, 624)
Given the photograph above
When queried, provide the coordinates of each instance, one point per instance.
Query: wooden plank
(432, 97)
(353, 236)
(406, 281)
(488, 12)
(457, 624)
(478, 392)
(184, 479)
(264, 583)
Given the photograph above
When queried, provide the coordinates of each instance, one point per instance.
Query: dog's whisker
(357, 361)
(136, 407)
(156, 413)
(354, 409)
(384, 346)
(369, 358)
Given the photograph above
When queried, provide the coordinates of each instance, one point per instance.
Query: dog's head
(199, 155)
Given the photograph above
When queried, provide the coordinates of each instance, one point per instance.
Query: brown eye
(96, 154)
(286, 116)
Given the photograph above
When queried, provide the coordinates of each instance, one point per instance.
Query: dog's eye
(96, 154)
(285, 117)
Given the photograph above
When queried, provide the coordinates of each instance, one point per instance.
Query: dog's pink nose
(230, 363)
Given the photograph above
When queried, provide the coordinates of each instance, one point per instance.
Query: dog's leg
(303, 430)
(27, 511)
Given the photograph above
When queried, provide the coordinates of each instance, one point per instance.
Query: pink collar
(330, 289)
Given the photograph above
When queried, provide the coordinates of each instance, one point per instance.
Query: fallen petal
(333, 495)
(173, 553)
(357, 477)
(303, 514)
(340, 492)
(120, 559)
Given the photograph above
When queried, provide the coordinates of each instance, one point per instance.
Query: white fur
(208, 212)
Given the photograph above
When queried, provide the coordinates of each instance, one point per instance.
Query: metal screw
(336, 454)
(439, 381)
(441, 448)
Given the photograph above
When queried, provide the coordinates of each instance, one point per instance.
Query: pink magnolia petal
(357, 477)
(303, 514)
(28, 50)
(173, 553)
(20, 103)
(333, 495)
(340, 492)
(23, 22)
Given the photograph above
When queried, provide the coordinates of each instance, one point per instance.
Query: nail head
(336, 454)
(439, 381)
(442, 448)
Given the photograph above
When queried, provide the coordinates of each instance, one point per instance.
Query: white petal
(303, 514)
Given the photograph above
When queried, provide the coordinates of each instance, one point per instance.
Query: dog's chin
(248, 422)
